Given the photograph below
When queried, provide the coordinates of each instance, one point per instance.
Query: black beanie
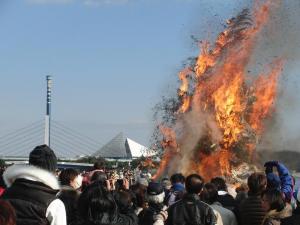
(42, 156)
(155, 188)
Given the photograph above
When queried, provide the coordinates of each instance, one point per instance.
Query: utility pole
(48, 111)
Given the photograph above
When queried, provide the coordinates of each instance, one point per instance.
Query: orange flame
(265, 94)
(183, 90)
(221, 90)
(170, 146)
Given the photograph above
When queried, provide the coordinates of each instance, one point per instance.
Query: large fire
(219, 119)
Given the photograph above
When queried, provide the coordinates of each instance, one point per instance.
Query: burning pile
(216, 121)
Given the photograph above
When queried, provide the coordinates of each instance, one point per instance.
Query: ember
(218, 116)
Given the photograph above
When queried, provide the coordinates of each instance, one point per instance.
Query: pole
(48, 110)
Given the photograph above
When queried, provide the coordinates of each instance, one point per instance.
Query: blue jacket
(284, 182)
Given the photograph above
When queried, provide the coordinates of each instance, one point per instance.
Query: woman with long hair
(97, 207)
(275, 206)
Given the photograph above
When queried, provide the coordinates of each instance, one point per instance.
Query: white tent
(121, 147)
(137, 150)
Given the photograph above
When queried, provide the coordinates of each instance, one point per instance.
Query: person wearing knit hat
(156, 212)
(155, 193)
(43, 157)
(33, 188)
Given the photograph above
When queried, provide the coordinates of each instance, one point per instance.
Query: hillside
(290, 158)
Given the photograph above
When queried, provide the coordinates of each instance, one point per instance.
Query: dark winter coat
(146, 216)
(227, 201)
(190, 211)
(30, 200)
(251, 211)
(119, 219)
(292, 220)
(31, 191)
(69, 196)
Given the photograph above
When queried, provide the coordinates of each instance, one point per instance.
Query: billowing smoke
(227, 105)
(281, 37)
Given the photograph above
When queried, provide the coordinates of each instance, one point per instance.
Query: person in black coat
(190, 209)
(250, 211)
(31, 189)
(226, 200)
(70, 181)
(156, 212)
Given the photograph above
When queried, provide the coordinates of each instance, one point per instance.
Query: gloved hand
(271, 164)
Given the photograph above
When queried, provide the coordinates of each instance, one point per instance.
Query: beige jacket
(273, 217)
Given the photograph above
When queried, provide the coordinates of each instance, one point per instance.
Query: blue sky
(111, 60)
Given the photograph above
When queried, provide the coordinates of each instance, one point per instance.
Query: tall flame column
(48, 111)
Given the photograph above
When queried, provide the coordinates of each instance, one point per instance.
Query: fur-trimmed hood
(286, 212)
(274, 215)
(30, 172)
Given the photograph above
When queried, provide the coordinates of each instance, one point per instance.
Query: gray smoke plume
(281, 37)
(196, 129)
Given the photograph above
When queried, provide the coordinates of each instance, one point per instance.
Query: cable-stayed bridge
(66, 142)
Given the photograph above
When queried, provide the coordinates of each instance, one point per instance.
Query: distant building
(121, 147)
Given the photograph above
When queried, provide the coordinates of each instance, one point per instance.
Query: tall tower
(48, 111)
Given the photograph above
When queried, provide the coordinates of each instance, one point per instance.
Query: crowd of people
(37, 194)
